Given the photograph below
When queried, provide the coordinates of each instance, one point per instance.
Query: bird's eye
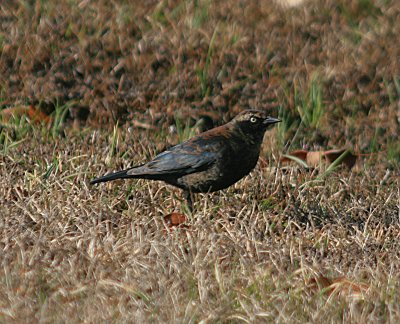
(253, 119)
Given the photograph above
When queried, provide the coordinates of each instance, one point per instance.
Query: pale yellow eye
(253, 119)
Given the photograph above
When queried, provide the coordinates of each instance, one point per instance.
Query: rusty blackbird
(208, 162)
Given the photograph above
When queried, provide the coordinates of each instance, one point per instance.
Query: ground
(112, 84)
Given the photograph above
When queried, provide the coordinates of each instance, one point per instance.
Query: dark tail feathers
(112, 176)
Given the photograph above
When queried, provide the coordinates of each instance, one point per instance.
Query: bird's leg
(188, 196)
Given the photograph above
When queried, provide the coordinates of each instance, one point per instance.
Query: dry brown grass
(74, 253)
(280, 245)
(148, 60)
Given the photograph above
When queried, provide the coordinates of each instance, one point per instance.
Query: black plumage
(210, 161)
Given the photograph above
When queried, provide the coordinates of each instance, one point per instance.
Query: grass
(59, 116)
(203, 73)
(114, 76)
(74, 252)
(113, 144)
(310, 106)
(185, 130)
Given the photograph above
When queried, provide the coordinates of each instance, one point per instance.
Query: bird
(208, 162)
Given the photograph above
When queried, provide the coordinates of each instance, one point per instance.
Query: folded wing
(180, 159)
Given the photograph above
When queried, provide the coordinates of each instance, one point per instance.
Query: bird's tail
(112, 176)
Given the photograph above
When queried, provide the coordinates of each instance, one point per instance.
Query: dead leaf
(315, 158)
(301, 154)
(349, 160)
(340, 286)
(175, 220)
(33, 113)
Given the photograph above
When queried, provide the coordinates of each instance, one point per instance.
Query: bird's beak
(271, 120)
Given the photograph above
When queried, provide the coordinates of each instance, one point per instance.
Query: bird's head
(253, 123)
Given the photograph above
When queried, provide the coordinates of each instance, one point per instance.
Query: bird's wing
(180, 159)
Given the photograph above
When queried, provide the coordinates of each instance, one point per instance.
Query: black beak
(271, 121)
